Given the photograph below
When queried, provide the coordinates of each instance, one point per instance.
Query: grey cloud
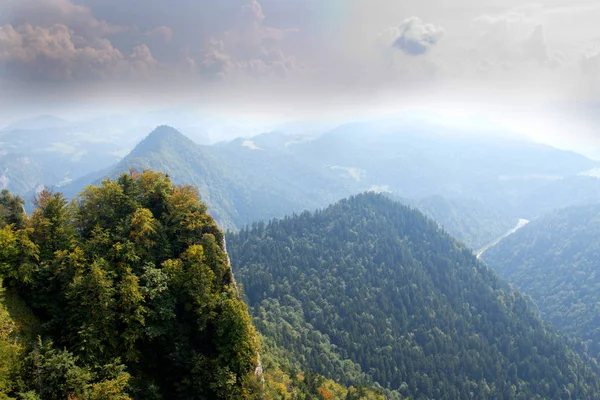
(56, 54)
(416, 37)
(54, 39)
(515, 37)
(46, 13)
(162, 33)
(590, 64)
(249, 48)
(535, 45)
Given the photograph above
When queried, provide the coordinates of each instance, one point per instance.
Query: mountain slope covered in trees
(369, 289)
(274, 174)
(471, 221)
(127, 294)
(238, 186)
(555, 260)
(131, 294)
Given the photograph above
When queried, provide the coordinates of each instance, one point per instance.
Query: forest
(555, 261)
(127, 293)
(369, 290)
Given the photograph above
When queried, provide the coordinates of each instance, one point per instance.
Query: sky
(533, 66)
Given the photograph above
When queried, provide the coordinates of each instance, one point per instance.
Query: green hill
(131, 294)
(371, 290)
(238, 185)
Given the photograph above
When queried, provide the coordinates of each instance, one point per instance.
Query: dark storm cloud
(416, 37)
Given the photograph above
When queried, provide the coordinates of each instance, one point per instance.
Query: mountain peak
(162, 138)
(165, 132)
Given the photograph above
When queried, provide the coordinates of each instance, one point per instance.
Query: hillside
(471, 221)
(240, 185)
(132, 295)
(274, 174)
(58, 151)
(422, 159)
(369, 289)
(555, 260)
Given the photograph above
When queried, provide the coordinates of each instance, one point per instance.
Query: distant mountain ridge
(39, 122)
(273, 174)
(471, 221)
(238, 185)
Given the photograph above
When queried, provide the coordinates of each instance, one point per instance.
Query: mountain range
(292, 173)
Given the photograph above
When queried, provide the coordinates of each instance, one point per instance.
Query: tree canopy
(371, 290)
(555, 260)
(133, 294)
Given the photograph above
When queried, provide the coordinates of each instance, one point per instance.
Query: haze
(512, 62)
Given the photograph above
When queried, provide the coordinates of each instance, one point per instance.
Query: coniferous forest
(371, 290)
(555, 261)
(299, 200)
(127, 292)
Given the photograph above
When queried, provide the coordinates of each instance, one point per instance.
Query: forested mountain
(131, 293)
(471, 221)
(238, 186)
(369, 289)
(20, 173)
(555, 260)
(274, 174)
(421, 159)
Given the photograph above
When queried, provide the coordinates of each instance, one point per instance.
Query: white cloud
(414, 37)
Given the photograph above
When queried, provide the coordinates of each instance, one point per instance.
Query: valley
(368, 282)
(299, 200)
(480, 252)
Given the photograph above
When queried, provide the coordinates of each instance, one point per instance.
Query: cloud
(248, 47)
(55, 54)
(162, 33)
(515, 37)
(58, 40)
(414, 37)
(47, 13)
(301, 54)
(535, 45)
(590, 64)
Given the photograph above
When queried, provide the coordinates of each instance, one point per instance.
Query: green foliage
(58, 374)
(378, 285)
(11, 209)
(471, 221)
(555, 261)
(237, 184)
(286, 383)
(134, 296)
(10, 353)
